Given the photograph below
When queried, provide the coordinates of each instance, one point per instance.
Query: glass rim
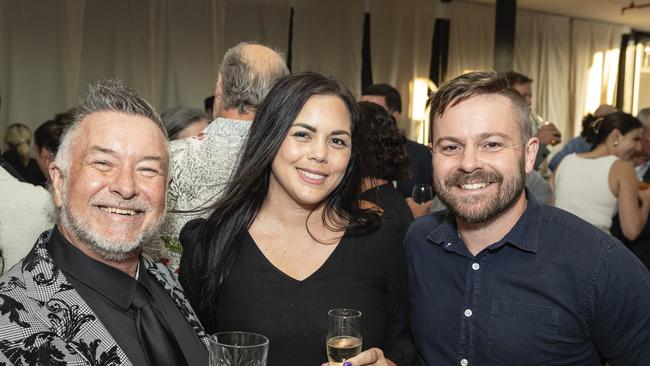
(353, 313)
(264, 340)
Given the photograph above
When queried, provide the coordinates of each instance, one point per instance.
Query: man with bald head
(85, 294)
(202, 165)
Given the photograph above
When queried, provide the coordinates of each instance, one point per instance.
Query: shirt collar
(524, 235)
(116, 286)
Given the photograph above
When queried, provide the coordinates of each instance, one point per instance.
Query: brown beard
(493, 206)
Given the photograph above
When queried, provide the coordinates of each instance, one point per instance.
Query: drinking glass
(422, 193)
(344, 338)
(238, 349)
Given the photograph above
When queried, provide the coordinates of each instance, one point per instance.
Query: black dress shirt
(109, 292)
(554, 291)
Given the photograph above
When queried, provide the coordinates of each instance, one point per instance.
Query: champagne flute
(344, 338)
(422, 193)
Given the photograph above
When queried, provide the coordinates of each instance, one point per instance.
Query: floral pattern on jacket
(44, 320)
(200, 169)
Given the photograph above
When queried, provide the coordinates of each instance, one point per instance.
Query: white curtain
(167, 50)
(401, 34)
(542, 51)
(327, 37)
(39, 59)
(471, 38)
(594, 66)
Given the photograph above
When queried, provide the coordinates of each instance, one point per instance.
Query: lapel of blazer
(64, 312)
(167, 279)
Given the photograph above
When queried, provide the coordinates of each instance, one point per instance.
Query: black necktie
(158, 343)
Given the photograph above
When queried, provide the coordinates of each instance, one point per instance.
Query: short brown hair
(477, 83)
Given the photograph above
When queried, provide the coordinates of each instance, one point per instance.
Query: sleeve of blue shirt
(620, 325)
(575, 145)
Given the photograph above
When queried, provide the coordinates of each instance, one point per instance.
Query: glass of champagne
(238, 349)
(344, 338)
(422, 193)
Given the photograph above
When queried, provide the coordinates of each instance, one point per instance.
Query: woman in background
(47, 138)
(17, 143)
(182, 122)
(383, 159)
(594, 184)
(287, 241)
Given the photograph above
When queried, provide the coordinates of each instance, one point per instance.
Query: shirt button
(476, 266)
(464, 362)
(468, 313)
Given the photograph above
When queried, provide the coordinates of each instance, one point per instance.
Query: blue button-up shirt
(554, 291)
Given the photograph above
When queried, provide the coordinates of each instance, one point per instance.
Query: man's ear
(530, 153)
(57, 183)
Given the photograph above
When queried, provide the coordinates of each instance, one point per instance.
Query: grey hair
(108, 95)
(246, 82)
(644, 116)
(177, 118)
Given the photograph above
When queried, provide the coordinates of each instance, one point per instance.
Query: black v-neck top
(365, 272)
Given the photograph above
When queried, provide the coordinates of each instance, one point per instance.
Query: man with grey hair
(201, 166)
(85, 294)
(500, 279)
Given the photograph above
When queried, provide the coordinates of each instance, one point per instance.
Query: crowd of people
(158, 231)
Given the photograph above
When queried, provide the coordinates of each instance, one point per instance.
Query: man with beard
(85, 294)
(500, 279)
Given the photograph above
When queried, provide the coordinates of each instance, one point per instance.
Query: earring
(615, 143)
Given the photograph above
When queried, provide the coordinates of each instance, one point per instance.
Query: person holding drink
(287, 241)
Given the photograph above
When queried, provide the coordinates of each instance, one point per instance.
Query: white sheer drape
(166, 50)
(594, 66)
(169, 50)
(542, 50)
(574, 63)
(401, 35)
(471, 38)
(39, 59)
(327, 37)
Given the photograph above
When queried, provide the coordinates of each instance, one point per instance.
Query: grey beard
(108, 249)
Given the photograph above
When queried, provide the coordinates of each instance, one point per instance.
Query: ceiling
(603, 10)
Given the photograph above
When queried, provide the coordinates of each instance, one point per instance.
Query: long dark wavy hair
(209, 260)
(382, 150)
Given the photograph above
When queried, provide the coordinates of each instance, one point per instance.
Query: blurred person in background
(25, 212)
(382, 161)
(420, 171)
(18, 139)
(641, 245)
(183, 122)
(579, 144)
(201, 166)
(47, 138)
(596, 184)
(546, 132)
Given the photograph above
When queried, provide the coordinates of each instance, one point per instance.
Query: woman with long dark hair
(287, 241)
(595, 184)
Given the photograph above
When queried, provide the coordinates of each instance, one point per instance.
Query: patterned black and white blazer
(44, 321)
